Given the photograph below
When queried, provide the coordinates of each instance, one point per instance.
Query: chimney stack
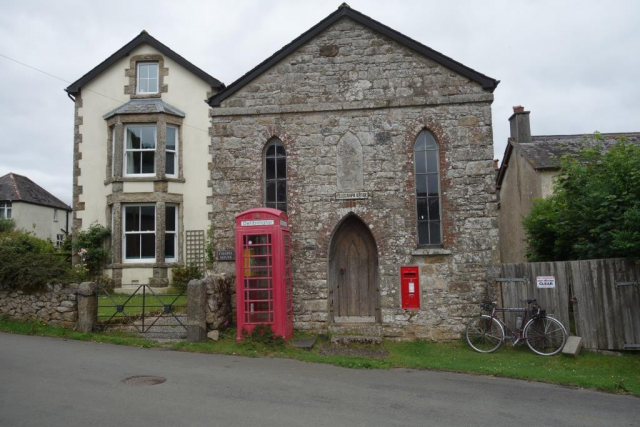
(520, 127)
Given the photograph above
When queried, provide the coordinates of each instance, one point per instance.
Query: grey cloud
(572, 63)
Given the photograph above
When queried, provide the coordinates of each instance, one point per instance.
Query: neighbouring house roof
(143, 37)
(18, 188)
(142, 106)
(545, 151)
(344, 10)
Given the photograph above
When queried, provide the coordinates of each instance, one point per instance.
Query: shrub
(594, 211)
(29, 264)
(182, 275)
(91, 246)
(7, 225)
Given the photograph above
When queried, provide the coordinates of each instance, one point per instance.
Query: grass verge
(618, 374)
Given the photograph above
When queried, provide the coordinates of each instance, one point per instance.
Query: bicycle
(543, 334)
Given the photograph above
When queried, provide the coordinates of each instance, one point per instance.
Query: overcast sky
(573, 64)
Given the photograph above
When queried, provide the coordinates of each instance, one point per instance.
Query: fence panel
(606, 294)
(554, 300)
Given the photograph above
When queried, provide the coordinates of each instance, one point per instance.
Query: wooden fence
(599, 300)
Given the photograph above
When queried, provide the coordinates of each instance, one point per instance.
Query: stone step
(359, 329)
(355, 339)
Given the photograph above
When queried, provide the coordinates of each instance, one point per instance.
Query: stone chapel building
(379, 149)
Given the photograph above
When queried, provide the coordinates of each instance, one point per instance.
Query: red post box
(264, 293)
(410, 287)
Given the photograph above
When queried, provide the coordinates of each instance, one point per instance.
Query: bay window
(171, 167)
(140, 148)
(171, 233)
(139, 233)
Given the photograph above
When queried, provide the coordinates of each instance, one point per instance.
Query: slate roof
(18, 188)
(545, 151)
(344, 10)
(124, 51)
(141, 106)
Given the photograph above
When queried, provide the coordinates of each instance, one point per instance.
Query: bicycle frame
(518, 334)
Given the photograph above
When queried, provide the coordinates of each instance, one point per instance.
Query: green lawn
(132, 305)
(619, 374)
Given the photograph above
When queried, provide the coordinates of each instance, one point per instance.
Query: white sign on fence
(546, 281)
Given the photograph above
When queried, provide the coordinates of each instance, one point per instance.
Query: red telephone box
(410, 288)
(263, 271)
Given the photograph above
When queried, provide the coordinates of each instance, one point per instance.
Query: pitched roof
(545, 151)
(141, 106)
(487, 82)
(18, 188)
(143, 37)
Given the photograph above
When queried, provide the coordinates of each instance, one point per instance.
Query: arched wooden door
(353, 273)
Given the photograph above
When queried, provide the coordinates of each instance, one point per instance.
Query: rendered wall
(520, 186)
(93, 190)
(40, 220)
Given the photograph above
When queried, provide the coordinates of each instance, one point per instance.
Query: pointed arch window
(427, 178)
(275, 175)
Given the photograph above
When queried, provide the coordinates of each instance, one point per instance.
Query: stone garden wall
(219, 290)
(56, 306)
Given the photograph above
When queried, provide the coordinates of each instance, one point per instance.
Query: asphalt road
(51, 382)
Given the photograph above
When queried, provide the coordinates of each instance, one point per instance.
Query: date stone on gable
(350, 164)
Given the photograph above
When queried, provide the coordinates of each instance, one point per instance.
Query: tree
(594, 211)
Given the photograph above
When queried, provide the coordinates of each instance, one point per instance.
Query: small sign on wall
(225, 255)
(545, 282)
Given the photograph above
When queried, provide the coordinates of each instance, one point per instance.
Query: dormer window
(147, 77)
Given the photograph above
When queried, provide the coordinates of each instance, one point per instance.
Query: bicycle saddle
(529, 301)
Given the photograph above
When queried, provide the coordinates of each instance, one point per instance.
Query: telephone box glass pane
(258, 278)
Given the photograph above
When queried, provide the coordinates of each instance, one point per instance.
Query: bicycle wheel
(484, 334)
(545, 336)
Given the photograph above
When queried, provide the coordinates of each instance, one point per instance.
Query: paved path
(51, 382)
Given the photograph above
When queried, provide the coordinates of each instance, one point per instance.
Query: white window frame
(175, 234)
(138, 78)
(175, 154)
(59, 240)
(5, 208)
(55, 215)
(126, 150)
(124, 234)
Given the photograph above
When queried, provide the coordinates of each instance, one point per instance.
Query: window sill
(141, 179)
(146, 96)
(430, 251)
(130, 264)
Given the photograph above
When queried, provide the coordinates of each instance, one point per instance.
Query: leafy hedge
(594, 211)
(28, 263)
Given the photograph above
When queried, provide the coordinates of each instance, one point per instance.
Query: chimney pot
(518, 109)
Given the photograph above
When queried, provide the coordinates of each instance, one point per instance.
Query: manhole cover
(142, 380)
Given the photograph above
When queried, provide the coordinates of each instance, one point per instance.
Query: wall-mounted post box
(263, 272)
(410, 287)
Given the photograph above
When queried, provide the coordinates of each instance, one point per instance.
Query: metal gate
(143, 310)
